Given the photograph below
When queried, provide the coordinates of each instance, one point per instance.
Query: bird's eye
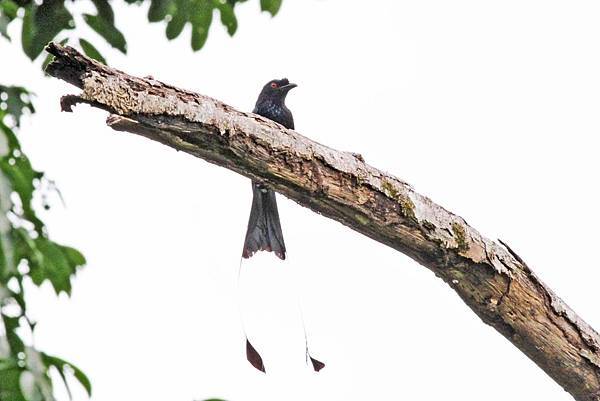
(273, 85)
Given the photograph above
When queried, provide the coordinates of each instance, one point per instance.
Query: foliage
(46, 21)
(27, 254)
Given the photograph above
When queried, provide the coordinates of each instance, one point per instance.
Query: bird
(264, 228)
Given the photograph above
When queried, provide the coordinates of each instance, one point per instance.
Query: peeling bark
(489, 276)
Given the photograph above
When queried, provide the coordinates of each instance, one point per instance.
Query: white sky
(490, 108)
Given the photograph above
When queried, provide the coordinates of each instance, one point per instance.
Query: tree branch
(490, 277)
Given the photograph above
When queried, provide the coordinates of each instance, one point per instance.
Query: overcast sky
(490, 108)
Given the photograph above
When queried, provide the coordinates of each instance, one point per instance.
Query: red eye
(273, 85)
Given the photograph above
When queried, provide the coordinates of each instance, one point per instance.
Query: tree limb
(489, 277)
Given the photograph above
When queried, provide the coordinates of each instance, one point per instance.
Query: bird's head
(276, 90)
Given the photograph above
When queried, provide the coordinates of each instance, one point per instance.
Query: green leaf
(8, 12)
(13, 142)
(11, 324)
(21, 176)
(10, 385)
(177, 23)
(78, 373)
(107, 30)
(4, 21)
(82, 379)
(199, 13)
(27, 249)
(6, 362)
(8, 263)
(105, 10)
(227, 16)
(9, 8)
(28, 32)
(91, 51)
(201, 21)
(17, 101)
(272, 6)
(75, 257)
(42, 23)
(158, 10)
(55, 266)
(53, 262)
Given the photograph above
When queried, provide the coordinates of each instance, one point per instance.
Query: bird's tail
(264, 229)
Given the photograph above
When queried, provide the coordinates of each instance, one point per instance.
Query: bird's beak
(288, 87)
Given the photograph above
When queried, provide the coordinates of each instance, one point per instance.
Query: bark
(489, 277)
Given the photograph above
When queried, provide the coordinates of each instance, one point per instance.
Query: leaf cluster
(52, 20)
(26, 254)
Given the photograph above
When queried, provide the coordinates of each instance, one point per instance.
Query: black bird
(264, 229)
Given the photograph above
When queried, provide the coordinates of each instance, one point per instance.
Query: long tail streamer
(252, 354)
(317, 365)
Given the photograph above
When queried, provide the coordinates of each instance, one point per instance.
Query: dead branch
(490, 278)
